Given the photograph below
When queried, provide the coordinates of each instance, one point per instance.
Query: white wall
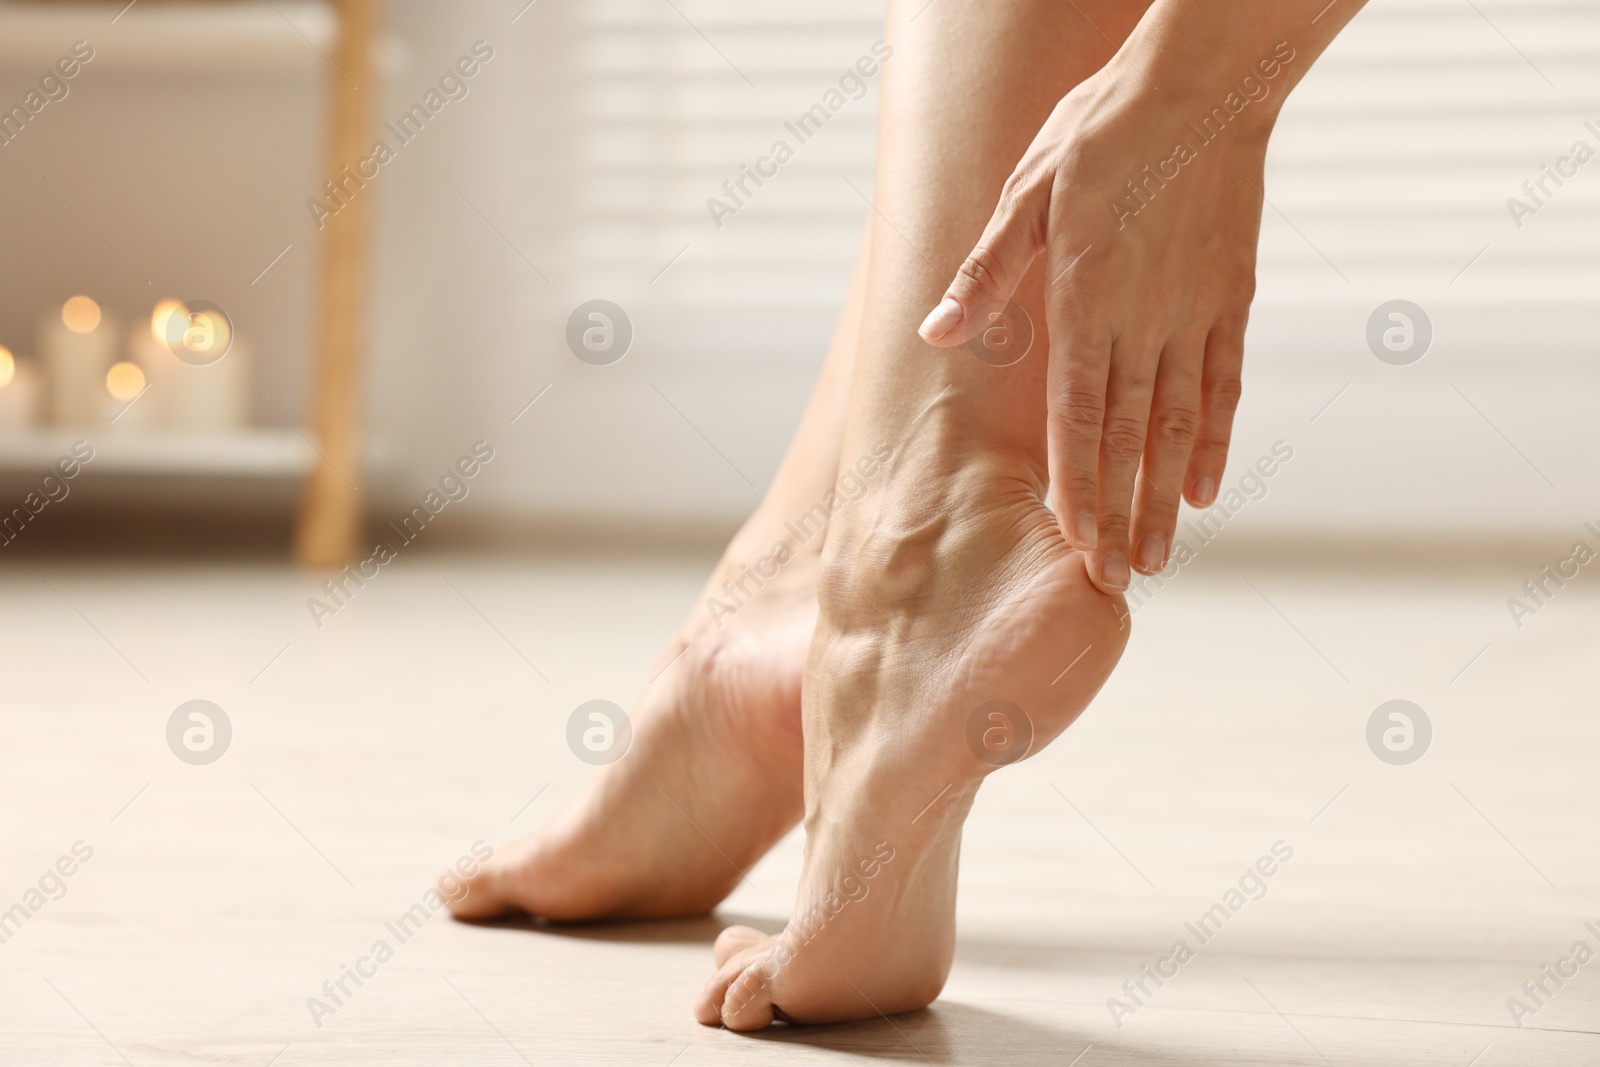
(176, 165)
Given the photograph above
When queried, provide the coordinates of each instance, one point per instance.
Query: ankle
(916, 532)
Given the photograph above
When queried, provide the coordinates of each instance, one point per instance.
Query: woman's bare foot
(942, 652)
(711, 780)
(957, 628)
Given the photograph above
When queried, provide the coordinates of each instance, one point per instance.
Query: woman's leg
(957, 629)
(713, 777)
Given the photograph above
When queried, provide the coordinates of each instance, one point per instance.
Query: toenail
(1115, 570)
(1152, 553)
(1088, 531)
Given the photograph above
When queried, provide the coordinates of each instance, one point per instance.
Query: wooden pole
(329, 527)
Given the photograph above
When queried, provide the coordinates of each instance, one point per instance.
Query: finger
(994, 268)
(1080, 360)
(1219, 399)
(1174, 421)
(1129, 389)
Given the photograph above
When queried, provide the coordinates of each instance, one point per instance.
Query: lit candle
(210, 388)
(147, 347)
(124, 384)
(77, 346)
(19, 392)
(215, 396)
(158, 318)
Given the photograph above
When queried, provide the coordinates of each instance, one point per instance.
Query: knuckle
(1015, 195)
(1125, 434)
(1114, 526)
(1210, 458)
(1223, 392)
(1079, 407)
(982, 271)
(1229, 329)
(1161, 518)
(1175, 427)
(1080, 487)
(1029, 189)
(1158, 508)
(1137, 377)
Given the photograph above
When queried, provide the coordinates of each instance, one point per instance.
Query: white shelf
(251, 36)
(251, 453)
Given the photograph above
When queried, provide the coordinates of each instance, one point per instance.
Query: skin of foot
(710, 781)
(951, 604)
(712, 778)
(957, 628)
(961, 593)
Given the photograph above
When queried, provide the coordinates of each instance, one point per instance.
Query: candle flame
(158, 319)
(201, 328)
(80, 314)
(125, 380)
(8, 366)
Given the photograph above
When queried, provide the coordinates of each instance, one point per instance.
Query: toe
(708, 1003)
(732, 941)
(747, 1004)
(715, 1000)
(477, 896)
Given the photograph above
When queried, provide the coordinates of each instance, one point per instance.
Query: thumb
(991, 273)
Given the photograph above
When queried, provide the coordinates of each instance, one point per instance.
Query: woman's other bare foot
(710, 781)
(713, 776)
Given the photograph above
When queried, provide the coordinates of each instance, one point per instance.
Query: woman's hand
(1149, 234)
(1143, 191)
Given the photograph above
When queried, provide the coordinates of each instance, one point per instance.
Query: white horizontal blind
(1388, 178)
(641, 109)
(673, 98)
(1394, 160)
(1391, 168)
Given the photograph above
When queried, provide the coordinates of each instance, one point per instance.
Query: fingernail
(1115, 571)
(1205, 491)
(1152, 553)
(1088, 532)
(941, 320)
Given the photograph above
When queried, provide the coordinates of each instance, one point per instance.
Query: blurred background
(221, 375)
(577, 166)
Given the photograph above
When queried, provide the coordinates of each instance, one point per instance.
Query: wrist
(1209, 82)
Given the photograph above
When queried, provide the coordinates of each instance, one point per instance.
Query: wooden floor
(429, 713)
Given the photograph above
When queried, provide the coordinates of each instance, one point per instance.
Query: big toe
(477, 896)
(732, 993)
(747, 1004)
